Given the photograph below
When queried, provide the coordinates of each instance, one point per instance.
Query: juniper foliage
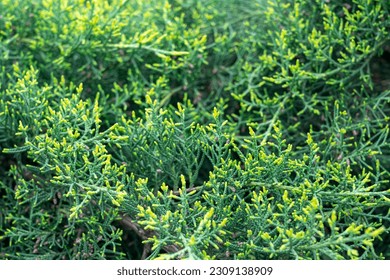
(194, 129)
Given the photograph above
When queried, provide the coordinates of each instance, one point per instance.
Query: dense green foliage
(190, 129)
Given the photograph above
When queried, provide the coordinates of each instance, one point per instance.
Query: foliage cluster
(194, 129)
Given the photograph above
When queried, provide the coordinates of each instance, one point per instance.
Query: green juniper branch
(172, 130)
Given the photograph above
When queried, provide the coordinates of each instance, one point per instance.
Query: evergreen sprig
(194, 129)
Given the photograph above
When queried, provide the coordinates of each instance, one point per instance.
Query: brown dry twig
(131, 225)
